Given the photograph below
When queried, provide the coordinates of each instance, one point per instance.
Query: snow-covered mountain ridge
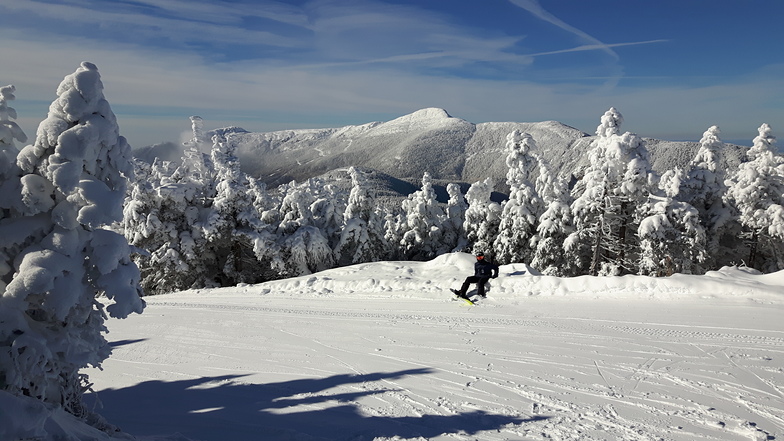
(428, 140)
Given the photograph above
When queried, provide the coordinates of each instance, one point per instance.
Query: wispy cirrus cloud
(270, 65)
(537, 10)
(593, 47)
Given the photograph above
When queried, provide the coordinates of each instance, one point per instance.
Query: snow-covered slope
(383, 352)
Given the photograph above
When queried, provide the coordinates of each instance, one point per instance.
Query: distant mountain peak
(430, 113)
(431, 118)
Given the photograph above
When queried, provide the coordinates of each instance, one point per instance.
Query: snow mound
(434, 278)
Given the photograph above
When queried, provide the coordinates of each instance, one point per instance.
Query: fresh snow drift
(381, 351)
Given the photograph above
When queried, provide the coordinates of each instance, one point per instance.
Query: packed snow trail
(271, 362)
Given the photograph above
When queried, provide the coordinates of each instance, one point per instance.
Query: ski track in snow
(377, 367)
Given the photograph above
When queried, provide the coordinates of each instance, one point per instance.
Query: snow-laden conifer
(756, 191)
(164, 216)
(73, 186)
(672, 238)
(232, 224)
(10, 183)
(200, 141)
(423, 234)
(454, 234)
(9, 133)
(553, 226)
(701, 186)
(303, 247)
(517, 227)
(328, 209)
(482, 217)
(550, 186)
(394, 227)
(362, 236)
(616, 182)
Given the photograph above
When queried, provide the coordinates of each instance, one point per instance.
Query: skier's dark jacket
(485, 269)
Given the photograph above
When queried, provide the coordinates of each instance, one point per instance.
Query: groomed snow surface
(383, 351)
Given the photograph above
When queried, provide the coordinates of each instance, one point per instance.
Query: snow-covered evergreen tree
(756, 190)
(200, 142)
(514, 242)
(303, 247)
(73, 186)
(550, 186)
(362, 237)
(454, 235)
(616, 182)
(394, 226)
(554, 225)
(164, 215)
(553, 228)
(9, 133)
(10, 175)
(703, 187)
(672, 238)
(482, 217)
(10, 183)
(422, 239)
(232, 224)
(328, 209)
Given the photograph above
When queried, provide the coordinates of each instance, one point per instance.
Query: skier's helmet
(480, 255)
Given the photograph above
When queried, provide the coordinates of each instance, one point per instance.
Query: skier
(483, 270)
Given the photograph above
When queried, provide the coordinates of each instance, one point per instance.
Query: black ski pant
(480, 285)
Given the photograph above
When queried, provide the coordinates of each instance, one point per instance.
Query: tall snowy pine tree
(616, 182)
(554, 225)
(73, 185)
(756, 190)
(362, 238)
(517, 228)
(422, 239)
(482, 217)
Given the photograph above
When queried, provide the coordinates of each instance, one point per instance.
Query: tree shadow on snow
(118, 343)
(223, 407)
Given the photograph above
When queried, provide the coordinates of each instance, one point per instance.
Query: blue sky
(672, 68)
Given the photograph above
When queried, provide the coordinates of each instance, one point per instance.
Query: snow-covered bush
(72, 187)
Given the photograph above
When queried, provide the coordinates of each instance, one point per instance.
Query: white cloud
(537, 10)
(346, 77)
